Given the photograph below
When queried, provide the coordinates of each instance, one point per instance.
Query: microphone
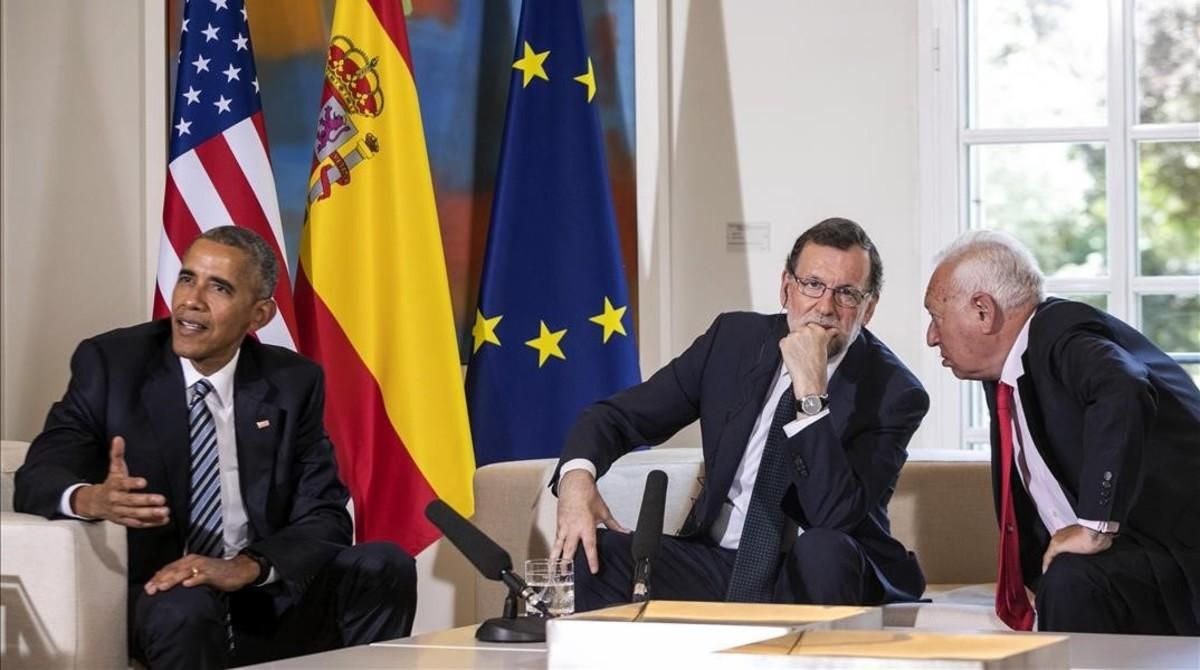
(648, 534)
(487, 556)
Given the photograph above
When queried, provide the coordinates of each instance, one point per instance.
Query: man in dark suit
(210, 447)
(805, 418)
(1095, 448)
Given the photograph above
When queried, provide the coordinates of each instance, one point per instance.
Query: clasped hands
(117, 499)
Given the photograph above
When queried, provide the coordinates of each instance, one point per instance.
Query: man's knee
(827, 567)
(380, 563)
(176, 617)
(612, 583)
(827, 548)
(177, 609)
(1072, 580)
(609, 546)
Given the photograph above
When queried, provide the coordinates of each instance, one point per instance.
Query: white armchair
(62, 586)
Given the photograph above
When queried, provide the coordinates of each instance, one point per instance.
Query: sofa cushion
(943, 511)
(12, 455)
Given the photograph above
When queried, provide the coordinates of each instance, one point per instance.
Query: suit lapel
(165, 402)
(257, 423)
(758, 373)
(844, 384)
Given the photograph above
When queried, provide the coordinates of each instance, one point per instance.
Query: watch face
(810, 404)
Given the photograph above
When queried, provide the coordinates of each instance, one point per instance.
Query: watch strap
(264, 566)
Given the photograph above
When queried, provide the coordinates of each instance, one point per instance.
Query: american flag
(219, 173)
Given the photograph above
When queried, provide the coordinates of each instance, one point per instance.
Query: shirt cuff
(577, 464)
(272, 577)
(64, 505)
(793, 428)
(1106, 527)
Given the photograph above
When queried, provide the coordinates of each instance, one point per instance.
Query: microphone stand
(510, 627)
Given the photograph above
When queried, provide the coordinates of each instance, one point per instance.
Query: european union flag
(553, 329)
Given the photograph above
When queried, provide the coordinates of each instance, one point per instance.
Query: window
(1073, 125)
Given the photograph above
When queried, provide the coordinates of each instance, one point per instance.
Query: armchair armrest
(63, 592)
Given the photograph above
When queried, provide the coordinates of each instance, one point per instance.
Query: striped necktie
(205, 530)
(757, 562)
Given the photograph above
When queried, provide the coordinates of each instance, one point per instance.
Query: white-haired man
(1095, 448)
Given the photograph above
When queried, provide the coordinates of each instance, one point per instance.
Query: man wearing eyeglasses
(805, 418)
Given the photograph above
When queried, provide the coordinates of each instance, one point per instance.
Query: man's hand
(1075, 539)
(114, 499)
(580, 507)
(193, 570)
(806, 355)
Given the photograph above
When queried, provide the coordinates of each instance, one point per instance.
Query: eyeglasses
(844, 296)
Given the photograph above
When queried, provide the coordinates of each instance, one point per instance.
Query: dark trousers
(1121, 590)
(367, 593)
(825, 567)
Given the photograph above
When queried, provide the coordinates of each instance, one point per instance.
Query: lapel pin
(263, 424)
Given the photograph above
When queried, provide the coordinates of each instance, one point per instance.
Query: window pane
(1168, 65)
(1169, 207)
(1172, 321)
(1049, 196)
(977, 409)
(1039, 64)
(1193, 369)
(1097, 300)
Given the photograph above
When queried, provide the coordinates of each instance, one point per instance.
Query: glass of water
(554, 581)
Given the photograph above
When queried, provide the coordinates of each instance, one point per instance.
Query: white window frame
(944, 148)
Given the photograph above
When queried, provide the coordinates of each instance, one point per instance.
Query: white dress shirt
(727, 529)
(1047, 493)
(235, 522)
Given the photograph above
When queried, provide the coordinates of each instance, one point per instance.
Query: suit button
(801, 466)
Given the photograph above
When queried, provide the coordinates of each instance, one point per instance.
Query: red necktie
(1012, 605)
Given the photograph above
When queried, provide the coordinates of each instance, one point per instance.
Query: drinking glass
(554, 581)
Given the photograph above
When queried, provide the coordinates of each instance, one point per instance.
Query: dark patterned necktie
(205, 530)
(757, 562)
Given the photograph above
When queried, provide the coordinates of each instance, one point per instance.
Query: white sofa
(942, 510)
(62, 586)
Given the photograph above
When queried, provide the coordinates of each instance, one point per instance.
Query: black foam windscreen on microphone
(488, 557)
(648, 534)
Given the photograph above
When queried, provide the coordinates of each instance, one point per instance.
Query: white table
(458, 648)
(453, 648)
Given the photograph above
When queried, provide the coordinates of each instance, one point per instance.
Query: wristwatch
(812, 404)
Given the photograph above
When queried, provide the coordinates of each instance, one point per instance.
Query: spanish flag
(372, 298)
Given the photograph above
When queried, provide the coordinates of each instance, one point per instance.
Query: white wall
(74, 87)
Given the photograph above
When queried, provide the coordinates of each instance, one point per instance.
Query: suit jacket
(129, 383)
(1118, 423)
(845, 466)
